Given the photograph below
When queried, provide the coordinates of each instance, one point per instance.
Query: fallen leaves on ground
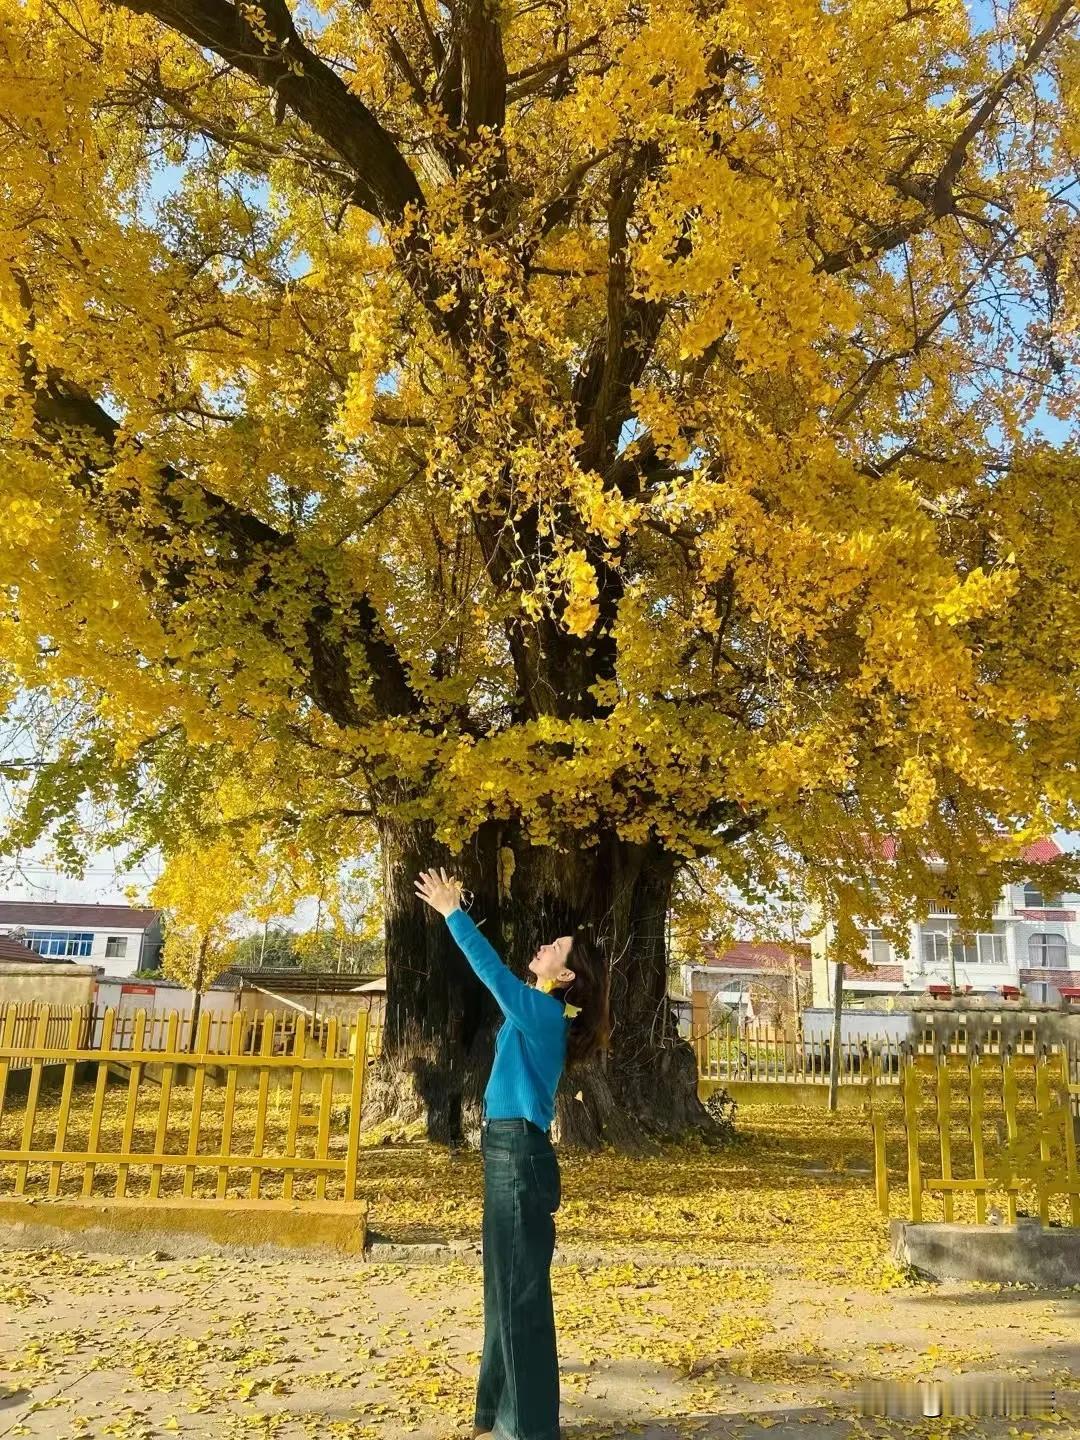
(749, 1285)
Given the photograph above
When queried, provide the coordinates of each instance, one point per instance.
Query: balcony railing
(946, 909)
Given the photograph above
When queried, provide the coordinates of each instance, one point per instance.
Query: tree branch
(262, 43)
(617, 357)
(937, 193)
(483, 67)
(65, 411)
(534, 77)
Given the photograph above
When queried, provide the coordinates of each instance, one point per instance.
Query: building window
(116, 947)
(879, 948)
(939, 947)
(1048, 951)
(991, 949)
(64, 943)
(1034, 899)
(1041, 992)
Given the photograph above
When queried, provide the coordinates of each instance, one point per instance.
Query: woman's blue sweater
(530, 1048)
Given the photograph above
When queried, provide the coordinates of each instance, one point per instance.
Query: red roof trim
(1039, 852)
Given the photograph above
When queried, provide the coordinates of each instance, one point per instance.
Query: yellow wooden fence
(757, 1052)
(760, 1053)
(23, 1017)
(978, 1125)
(178, 1116)
(155, 1035)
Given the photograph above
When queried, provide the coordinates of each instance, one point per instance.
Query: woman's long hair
(588, 991)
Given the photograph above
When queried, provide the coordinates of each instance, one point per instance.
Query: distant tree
(273, 949)
(201, 891)
(282, 948)
(338, 950)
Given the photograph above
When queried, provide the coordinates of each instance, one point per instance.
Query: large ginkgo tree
(563, 441)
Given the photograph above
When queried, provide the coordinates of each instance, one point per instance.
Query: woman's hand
(441, 891)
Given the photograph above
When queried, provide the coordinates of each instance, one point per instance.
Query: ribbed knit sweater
(530, 1048)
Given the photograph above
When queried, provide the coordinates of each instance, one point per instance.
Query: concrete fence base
(185, 1227)
(998, 1254)
(786, 1092)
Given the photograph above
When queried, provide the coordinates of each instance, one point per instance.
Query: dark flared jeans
(517, 1394)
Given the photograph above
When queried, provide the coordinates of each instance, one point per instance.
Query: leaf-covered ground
(699, 1293)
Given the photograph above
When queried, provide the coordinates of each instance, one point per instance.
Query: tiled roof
(45, 913)
(12, 950)
(757, 955)
(1039, 852)
(292, 981)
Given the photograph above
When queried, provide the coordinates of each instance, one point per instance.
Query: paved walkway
(737, 1292)
(148, 1346)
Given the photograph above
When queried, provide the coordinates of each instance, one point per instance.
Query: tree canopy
(614, 417)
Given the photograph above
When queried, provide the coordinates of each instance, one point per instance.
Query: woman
(517, 1394)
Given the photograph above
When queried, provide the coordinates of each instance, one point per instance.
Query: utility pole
(952, 958)
(795, 1010)
(834, 1049)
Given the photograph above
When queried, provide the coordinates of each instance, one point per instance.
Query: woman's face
(550, 961)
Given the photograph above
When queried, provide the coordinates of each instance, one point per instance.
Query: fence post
(834, 1053)
(1072, 1178)
(295, 1095)
(36, 1064)
(134, 1080)
(202, 1047)
(978, 1154)
(356, 1100)
(944, 1121)
(877, 1126)
(236, 1045)
(1009, 1095)
(7, 1041)
(168, 1067)
(1042, 1110)
(910, 1087)
(326, 1102)
(265, 1050)
(74, 1031)
(94, 1139)
(699, 1026)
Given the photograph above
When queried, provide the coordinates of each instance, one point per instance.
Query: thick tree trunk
(438, 1039)
(440, 1023)
(644, 1089)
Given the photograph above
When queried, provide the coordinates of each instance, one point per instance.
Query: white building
(1030, 944)
(116, 937)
